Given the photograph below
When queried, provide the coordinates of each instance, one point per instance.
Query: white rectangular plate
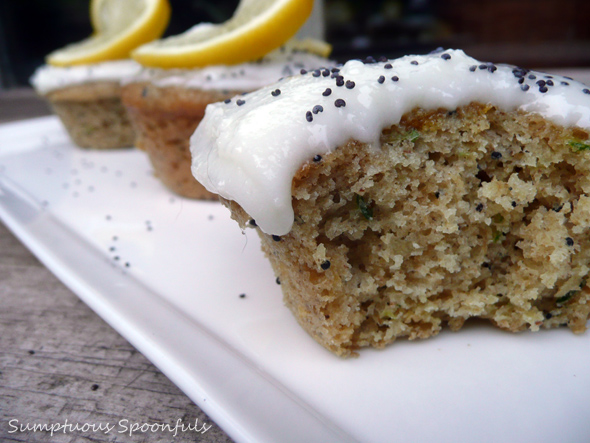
(167, 273)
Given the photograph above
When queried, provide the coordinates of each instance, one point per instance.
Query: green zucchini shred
(364, 207)
(414, 135)
(566, 297)
(578, 145)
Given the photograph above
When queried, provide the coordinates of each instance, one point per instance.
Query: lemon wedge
(119, 27)
(311, 45)
(256, 28)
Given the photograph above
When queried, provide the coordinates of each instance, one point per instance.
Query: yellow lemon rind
(238, 46)
(313, 46)
(117, 47)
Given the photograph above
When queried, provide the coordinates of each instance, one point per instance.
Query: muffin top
(249, 148)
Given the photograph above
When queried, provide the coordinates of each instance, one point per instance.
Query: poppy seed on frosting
(378, 195)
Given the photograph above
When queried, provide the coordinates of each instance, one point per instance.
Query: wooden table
(59, 360)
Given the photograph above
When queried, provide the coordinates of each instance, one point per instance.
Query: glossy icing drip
(249, 149)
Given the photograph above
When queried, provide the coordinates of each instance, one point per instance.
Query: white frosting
(250, 153)
(48, 78)
(243, 77)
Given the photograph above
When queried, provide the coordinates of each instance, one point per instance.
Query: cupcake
(81, 81)
(166, 106)
(87, 98)
(394, 197)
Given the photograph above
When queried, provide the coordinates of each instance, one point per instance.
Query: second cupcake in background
(167, 100)
(81, 81)
(87, 99)
(166, 106)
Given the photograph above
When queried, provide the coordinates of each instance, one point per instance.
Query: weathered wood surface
(59, 361)
(19, 103)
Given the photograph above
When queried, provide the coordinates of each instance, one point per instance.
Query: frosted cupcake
(87, 98)
(395, 197)
(166, 106)
(82, 80)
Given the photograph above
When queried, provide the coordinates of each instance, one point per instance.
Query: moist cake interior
(473, 212)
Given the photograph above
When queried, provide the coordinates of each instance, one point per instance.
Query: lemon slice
(311, 45)
(119, 27)
(256, 28)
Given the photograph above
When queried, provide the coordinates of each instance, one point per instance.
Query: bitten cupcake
(394, 197)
